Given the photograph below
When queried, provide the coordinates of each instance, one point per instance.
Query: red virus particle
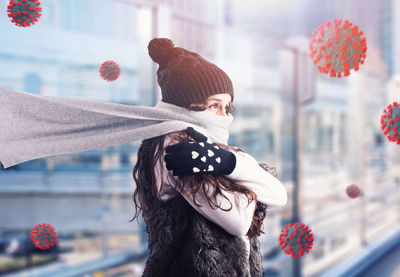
(390, 122)
(352, 191)
(336, 48)
(295, 239)
(43, 236)
(24, 13)
(110, 71)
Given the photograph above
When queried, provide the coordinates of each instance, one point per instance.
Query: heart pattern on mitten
(194, 155)
(198, 156)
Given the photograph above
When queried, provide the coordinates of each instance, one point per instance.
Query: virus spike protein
(295, 239)
(24, 13)
(390, 122)
(336, 48)
(43, 236)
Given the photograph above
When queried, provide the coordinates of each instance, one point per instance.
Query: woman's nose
(221, 113)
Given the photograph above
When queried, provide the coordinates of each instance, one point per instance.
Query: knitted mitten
(202, 156)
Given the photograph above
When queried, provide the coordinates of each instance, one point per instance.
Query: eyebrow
(219, 100)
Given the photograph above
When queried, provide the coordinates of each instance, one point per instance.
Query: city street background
(329, 140)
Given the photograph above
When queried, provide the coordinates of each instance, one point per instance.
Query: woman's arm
(248, 172)
(237, 221)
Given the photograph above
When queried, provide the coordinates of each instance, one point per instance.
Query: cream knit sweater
(237, 221)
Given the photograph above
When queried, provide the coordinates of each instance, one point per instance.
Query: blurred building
(396, 36)
(391, 35)
(263, 47)
(341, 140)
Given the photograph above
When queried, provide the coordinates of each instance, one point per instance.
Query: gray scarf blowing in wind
(36, 126)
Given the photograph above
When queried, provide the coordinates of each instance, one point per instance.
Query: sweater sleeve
(269, 190)
(237, 221)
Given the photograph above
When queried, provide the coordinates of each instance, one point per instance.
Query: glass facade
(87, 196)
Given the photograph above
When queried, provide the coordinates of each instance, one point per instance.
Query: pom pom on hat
(159, 48)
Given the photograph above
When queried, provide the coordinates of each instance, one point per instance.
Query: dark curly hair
(200, 181)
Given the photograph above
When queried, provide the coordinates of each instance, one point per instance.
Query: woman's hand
(202, 156)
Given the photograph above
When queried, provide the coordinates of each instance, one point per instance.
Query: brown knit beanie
(184, 76)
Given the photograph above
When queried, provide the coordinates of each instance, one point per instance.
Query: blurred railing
(102, 264)
(347, 228)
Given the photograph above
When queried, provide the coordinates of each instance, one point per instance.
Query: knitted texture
(184, 76)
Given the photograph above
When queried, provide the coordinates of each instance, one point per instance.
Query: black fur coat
(184, 243)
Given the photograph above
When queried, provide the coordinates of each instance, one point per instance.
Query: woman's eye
(214, 105)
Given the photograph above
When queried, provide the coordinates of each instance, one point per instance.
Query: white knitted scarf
(35, 126)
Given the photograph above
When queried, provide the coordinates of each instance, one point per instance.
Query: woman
(203, 202)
